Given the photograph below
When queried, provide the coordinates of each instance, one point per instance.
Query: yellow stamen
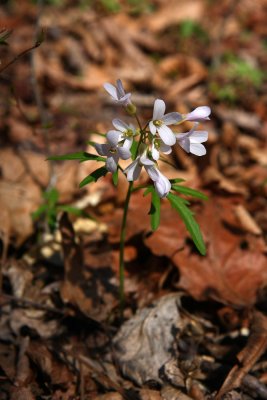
(158, 122)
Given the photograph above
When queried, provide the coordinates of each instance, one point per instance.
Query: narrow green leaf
(40, 210)
(115, 177)
(147, 191)
(176, 180)
(189, 192)
(52, 219)
(94, 176)
(81, 156)
(187, 216)
(134, 189)
(154, 211)
(134, 149)
(51, 196)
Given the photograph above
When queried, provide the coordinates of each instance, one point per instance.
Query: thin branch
(17, 57)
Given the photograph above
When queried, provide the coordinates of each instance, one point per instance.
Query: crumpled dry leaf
(234, 269)
(143, 344)
(56, 371)
(191, 70)
(256, 346)
(149, 394)
(36, 321)
(174, 13)
(20, 199)
(88, 288)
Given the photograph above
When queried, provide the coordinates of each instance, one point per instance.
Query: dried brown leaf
(234, 269)
(256, 346)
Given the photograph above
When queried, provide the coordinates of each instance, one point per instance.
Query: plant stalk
(123, 229)
(122, 247)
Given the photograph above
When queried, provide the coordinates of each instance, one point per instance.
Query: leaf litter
(194, 326)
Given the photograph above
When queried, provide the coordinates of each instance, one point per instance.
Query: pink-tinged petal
(133, 170)
(153, 172)
(124, 153)
(166, 135)
(146, 161)
(197, 149)
(185, 144)
(159, 109)
(172, 118)
(112, 162)
(199, 114)
(128, 143)
(180, 136)
(120, 125)
(155, 153)
(199, 137)
(164, 148)
(125, 100)
(162, 187)
(102, 149)
(120, 89)
(152, 128)
(113, 137)
(111, 90)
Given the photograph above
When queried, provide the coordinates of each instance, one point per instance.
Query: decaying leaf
(234, 269)
(256, 346)
(84, 286)
(143, 344)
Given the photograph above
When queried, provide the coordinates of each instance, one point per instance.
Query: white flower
(114, 150)
(159, 146)
(127, 131)
(134, 169)
(198, 114)
(191, 141)
(161, 183)
(118, 93)
(160, 122)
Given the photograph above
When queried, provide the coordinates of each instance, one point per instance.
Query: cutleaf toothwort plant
(143, 145)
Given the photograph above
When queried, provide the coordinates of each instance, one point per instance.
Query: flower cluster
(156, 137)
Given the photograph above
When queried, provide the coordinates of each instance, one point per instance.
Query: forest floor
(193, 326)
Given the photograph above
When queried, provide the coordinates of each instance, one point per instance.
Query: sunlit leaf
(189, 192)
(51, 196)
(176, 180)
(187, 216)
(115, 177)
(80, 156)
(94, 176)
(41, 210)
(134, 148)
(154, 211)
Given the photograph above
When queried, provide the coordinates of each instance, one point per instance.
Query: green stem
(122, 246)
(123, 228)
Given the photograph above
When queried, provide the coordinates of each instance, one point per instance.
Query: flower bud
(131, 109)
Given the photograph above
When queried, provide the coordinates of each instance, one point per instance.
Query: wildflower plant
(143, 145)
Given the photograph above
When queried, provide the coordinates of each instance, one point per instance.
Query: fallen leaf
(234, 269)
(142, 345)
(249, 355)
